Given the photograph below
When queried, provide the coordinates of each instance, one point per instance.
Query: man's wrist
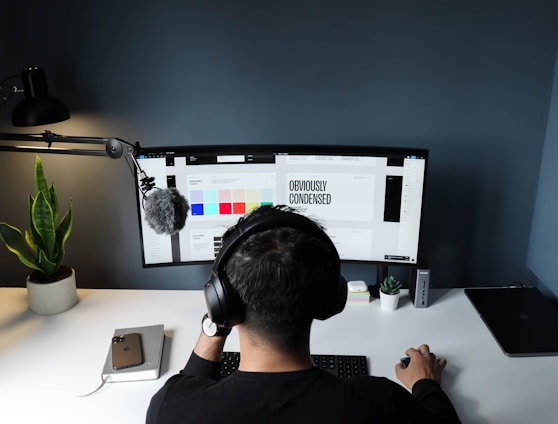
(210, 348)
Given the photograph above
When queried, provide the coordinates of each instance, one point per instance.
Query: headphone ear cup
(334, 300)
(224, 307)
(214, 299)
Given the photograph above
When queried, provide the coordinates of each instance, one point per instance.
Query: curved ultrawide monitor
(368, 199)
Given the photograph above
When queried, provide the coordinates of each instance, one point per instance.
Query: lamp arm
(114, 147)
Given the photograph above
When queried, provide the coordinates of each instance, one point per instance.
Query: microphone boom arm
(114, 147)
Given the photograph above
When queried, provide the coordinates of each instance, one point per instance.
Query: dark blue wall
(469, 80)
(543, 247)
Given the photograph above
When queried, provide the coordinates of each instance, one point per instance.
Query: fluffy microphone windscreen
(166, 210)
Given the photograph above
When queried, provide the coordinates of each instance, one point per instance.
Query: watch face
(209, 327)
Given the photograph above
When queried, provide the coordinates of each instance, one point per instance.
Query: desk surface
(46, 362)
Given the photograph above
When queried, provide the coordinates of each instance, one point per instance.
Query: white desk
(47, 361)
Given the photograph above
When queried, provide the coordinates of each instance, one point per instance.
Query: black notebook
(522, 320)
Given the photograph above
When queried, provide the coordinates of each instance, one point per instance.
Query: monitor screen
(368, 199)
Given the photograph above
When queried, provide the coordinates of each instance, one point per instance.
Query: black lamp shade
(38, 107)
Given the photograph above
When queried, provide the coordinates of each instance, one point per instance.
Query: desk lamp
(40, 108)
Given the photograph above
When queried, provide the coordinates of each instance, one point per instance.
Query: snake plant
(41, 248)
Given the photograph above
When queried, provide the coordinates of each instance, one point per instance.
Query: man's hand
(423, 365)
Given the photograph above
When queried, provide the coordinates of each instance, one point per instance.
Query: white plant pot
(52, 298)
(389, 302)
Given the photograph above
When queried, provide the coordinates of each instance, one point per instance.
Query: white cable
(103, 381)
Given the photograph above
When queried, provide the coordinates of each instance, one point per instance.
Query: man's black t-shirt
(196, 395)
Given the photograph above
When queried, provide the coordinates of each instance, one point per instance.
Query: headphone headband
(266, 222)
(224, 304)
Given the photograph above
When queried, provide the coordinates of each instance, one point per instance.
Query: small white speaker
(419, 283)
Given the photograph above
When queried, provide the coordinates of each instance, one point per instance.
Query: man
(276, 272)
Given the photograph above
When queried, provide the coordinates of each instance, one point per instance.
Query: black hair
(278, 275)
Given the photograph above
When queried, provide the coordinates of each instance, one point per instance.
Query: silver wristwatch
(211, 329)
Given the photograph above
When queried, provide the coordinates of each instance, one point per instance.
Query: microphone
(166, 210)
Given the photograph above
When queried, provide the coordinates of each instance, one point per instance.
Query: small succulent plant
(390, 285)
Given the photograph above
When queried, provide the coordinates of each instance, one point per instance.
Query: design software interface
(368, 200)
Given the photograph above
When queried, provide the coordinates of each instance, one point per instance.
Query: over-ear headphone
(223, 302)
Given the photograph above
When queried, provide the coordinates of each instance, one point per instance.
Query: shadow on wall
(447, 239)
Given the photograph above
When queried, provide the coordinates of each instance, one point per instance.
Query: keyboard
(344, 366)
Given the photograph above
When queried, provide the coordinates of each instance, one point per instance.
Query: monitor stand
(381, 274)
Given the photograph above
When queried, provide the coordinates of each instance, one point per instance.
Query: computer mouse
(405, 361)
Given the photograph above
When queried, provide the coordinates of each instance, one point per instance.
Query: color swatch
(229, 201)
